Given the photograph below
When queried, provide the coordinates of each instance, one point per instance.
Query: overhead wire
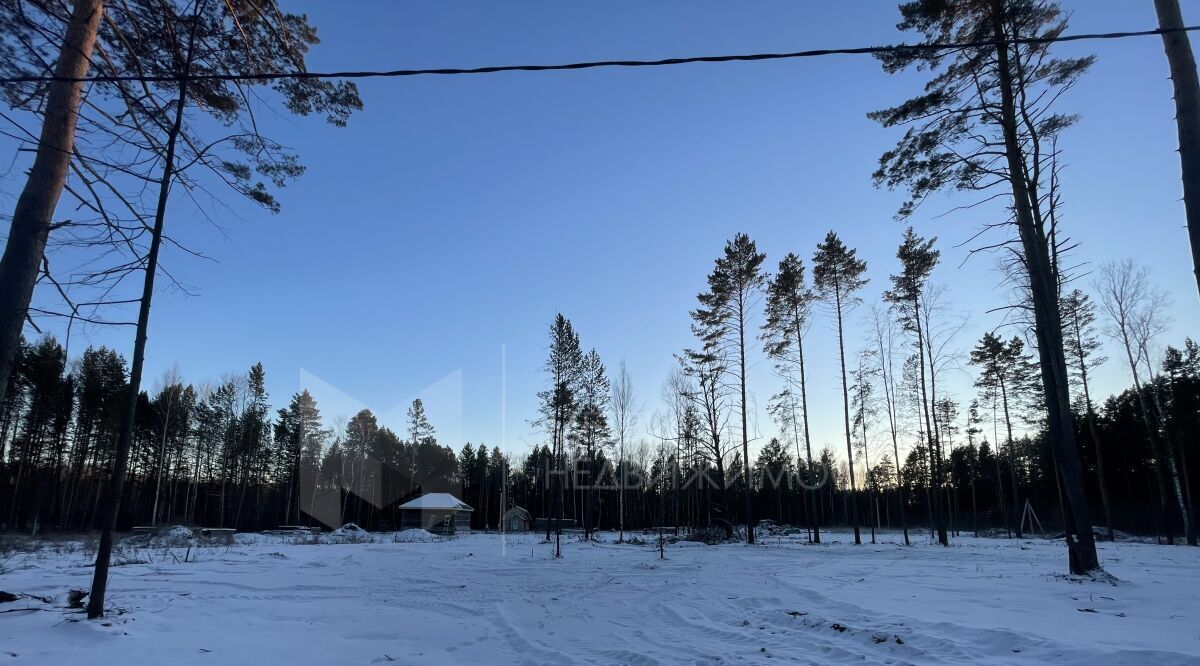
(594, 64)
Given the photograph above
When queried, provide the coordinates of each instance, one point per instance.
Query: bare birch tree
(884, 338)
(624, 420)
(1136, 313)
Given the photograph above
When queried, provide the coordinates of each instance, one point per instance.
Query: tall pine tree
(722, 320)
(838, 274)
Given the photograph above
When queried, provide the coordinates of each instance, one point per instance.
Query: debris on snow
(349, 533)
(415, 535)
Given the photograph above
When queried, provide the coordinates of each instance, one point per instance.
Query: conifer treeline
(215, 456)
(210, 455)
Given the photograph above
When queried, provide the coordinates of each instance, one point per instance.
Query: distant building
(517, 519)
(440, 513)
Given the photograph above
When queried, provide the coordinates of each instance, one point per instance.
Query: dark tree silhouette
(838, 274)
(985, 122)
(721, 322)
(789, 312)
(917, 261)
(1182, 61)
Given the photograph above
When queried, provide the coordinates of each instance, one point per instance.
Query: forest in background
(213, 454)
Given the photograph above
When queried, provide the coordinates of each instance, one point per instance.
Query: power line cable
(814, 53)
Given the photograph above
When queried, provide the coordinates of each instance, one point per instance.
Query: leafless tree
(1137, 315)
(885, 334)
(171, 388)
(712, 398)
(624, 420)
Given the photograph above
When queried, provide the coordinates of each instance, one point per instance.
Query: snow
(486, 599)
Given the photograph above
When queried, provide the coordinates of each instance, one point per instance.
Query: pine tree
(721, 322)
(1182, 412)
(333, 467)
(985, 120)
(558, 408)
(481, 474)
(591, 425)
(974, 420)
(357, 444)
(498, 465)
(789, 312)
(166, 406)
(945, 417)
(299, 439)
(1186, 83)
(40, 377)
(419, 428)
(254, 430)
(838, 274)
(772, 471)
(32, 218)
(466, 475)
(1008, 370)
(917, 261)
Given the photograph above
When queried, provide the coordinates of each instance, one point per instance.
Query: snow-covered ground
(481, 599)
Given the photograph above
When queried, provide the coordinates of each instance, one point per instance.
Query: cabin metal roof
(437, 501)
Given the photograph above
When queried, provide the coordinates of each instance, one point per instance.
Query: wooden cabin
(439, 513)
(517, 519)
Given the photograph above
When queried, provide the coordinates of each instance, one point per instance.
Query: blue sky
(432, 241)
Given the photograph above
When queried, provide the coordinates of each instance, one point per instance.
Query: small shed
(440, 513)
(517, 519)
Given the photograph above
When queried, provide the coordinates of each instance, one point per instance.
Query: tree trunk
(112, 502)
(867, 463)
(1187, 116)
(1012, 462)
(889, 397)
(560, 495)
(162, 456)
(974, 509)
(1091, 423)
(745, 432)
(1191, 532)
(813, 522)
(846, 415)
(32, 217)
(1168, 484)
(1043, 284)
(935, 463)
(999, 479)
(621, 491)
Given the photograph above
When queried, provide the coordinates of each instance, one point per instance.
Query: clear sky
(431, 242)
